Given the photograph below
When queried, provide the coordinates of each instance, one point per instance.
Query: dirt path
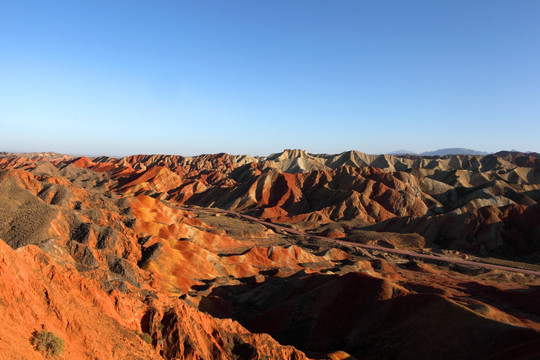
(368, 247)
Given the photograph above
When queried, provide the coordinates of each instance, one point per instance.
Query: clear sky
(256, 77)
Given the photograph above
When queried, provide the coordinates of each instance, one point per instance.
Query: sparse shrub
(146, 337)
(47, 342)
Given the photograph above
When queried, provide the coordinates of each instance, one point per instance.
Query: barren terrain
(289, 256)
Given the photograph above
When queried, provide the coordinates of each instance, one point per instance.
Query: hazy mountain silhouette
(453, 151)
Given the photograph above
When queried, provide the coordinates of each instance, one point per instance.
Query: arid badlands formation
(290, 256)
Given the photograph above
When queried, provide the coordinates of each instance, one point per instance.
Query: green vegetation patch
(47, 342)
(146, 337)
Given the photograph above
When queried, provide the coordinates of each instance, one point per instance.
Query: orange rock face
(37, 294)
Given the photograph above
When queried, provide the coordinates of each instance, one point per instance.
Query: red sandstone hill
(126, 258)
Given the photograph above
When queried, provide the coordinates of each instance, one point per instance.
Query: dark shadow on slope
(368, 317)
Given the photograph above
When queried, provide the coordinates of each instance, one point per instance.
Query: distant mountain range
(441, 152)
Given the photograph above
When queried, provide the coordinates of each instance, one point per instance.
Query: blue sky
(256, 77)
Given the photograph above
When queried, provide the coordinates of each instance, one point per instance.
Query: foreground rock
(38, 294)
